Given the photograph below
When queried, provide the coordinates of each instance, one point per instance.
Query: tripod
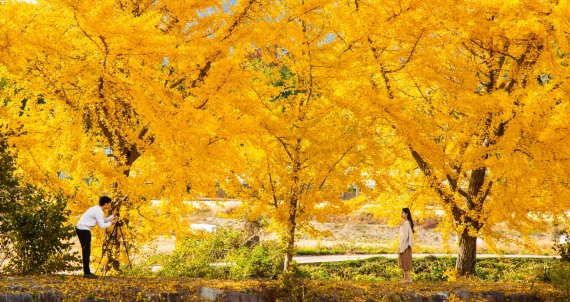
(116, 237)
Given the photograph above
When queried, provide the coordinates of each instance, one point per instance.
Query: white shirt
(406, 236)
(92, 217)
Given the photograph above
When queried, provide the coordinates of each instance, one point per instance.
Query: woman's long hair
(409, 217)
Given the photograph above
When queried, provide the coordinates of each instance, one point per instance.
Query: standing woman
(406, 243)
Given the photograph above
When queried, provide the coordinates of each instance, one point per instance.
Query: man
(95, 215)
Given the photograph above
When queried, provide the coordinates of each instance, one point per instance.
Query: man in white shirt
(93, 216)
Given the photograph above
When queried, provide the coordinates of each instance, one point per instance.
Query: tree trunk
(290, 248)
(293, 204)
(466, 257)
(114, 238)
(290, 239)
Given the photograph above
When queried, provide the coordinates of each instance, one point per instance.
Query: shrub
(194, 256)
(559, 274)
(563, 248)
(264, 260)
(223, 255)
(36, 231)
(511, 269)
(433, 268)
(560, 277)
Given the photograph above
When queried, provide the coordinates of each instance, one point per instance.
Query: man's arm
(112, 216)
(102, 221)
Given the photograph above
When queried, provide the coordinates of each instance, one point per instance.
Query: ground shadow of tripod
(112, 243)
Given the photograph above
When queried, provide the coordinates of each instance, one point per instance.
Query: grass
(342, 249)
(430, 269)
(356, 249)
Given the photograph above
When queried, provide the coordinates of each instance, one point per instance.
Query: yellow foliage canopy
(466, 102)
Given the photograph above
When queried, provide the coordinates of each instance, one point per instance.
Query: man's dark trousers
(85, 240)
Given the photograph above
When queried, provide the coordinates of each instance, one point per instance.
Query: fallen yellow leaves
(75, 288)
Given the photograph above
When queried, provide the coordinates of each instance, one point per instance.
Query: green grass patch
(430, 269)
(342, 249)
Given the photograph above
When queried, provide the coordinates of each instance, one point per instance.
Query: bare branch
(280, 140)
(273, 193)
(331, 168)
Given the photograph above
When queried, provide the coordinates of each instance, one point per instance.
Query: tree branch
(331, 168)
(280, 140)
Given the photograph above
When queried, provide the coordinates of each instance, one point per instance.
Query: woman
(406, 243)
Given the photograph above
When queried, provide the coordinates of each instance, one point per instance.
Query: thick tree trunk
(466, 257)
(114, 239)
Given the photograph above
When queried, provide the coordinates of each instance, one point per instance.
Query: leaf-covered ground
(75, 288)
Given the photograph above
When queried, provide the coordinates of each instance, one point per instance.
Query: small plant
(451, 274)
(563, 248)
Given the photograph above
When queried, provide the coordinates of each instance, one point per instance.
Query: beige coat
(406, 236)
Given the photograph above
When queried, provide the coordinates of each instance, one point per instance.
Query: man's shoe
(92, 276)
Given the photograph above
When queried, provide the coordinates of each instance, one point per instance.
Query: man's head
(105, 201)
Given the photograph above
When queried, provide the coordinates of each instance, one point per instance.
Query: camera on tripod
(112, 244)
(120, 222)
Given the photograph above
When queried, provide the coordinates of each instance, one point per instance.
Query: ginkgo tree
(297, 151)
(476, 90)
(116, 82)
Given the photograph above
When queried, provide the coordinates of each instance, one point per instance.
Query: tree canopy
(287, 104)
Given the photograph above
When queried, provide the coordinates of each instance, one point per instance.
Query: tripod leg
(107, 248)
(104, 248)
(126, 248)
